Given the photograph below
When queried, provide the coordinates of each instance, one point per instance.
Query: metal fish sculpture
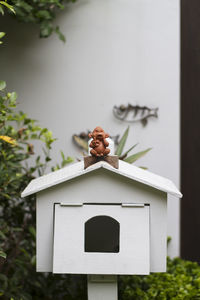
(134, 113)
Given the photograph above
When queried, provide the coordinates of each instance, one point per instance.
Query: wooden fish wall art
(134, 113)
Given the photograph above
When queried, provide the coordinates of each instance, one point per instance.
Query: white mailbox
(101, 220)
(95, 239)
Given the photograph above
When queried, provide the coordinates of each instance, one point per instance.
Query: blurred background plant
(18, 278)
(4, 4)
(42, 13)
(180, 282)
(124, 155)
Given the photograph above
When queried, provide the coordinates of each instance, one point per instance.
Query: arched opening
(102, 235)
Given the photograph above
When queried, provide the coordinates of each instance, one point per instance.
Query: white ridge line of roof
(78, 171)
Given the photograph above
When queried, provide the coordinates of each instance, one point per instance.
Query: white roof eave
(125, 169)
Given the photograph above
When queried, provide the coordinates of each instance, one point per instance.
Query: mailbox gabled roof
(125, 169)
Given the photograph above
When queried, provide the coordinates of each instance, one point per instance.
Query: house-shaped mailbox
(101, 220)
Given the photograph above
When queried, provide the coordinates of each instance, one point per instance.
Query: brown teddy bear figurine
(99, 143)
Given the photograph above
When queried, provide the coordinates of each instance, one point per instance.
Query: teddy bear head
(98, 133)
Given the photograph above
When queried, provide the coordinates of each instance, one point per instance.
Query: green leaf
(13, 97)
(62, 154)
(2, 34)
(28, 8)
(33, 260)
(127, 152)
(1, 10)
(131, 159)
(43, 14)
(46, 29)
(2, 235)
(2, 85)
(122, 142)
(32, 231)
(169, 238)
(60, 34)
(10, 7)
(67, 161)
(142, 167)
(2, 254)
(80, 142)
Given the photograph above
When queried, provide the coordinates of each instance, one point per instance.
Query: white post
(102, 287)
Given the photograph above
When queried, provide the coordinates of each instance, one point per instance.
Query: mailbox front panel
(101, 239)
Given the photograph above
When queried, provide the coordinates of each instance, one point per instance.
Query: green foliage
(65, 161)
(18, 279)
(123, 156)
(2, 34)
(40, 12)
(131, 159)
(181, 282)
(2, 85)
(122, 143)
(4, 4)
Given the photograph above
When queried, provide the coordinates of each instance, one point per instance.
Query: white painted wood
(132, 205)
(125, 169)
(102, 278)
(89, 189)
(104, 287)
(71, 204)
(134, 249)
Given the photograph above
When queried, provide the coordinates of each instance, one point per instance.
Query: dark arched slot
(102, 235)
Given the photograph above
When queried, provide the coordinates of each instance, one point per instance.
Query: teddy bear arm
(91, 145)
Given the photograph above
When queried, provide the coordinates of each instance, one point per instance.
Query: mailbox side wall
(102, 186)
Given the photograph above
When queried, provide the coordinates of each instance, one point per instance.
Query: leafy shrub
(180, 282)
(18, 278)
(39, 12)
(4, 4)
